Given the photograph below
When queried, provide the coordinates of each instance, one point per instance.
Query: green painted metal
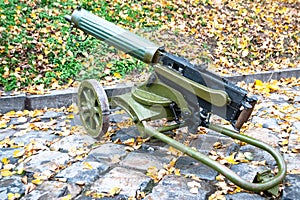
(151, 102)
(93, 108)
(140, 112)
(233, 177)
(124, 40)
(265, 176)
(215, 97)
(149, 98)
(165, 92)
(282, 169)
(169, 128)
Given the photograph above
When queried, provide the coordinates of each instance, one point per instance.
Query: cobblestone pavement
(45, 154)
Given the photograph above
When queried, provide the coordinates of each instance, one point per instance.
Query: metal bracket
(265, 176)
(174, 108)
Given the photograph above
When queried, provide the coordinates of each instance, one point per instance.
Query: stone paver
(263, 134)
(175, 187)
(73, 142)
(297, 125)
(294, 140)
(54, 190)
(190, 166)
(38, 136)
(109, 152)
(204, 143)
(84, 172)
(257, 154)
(11, 184)
(45, 161)
(244, 196)
(292, 161)
(246, 171)
(143, 161)
(129, 181)
(292, 188)
(6, 133)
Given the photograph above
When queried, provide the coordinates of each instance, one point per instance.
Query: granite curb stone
(55, 99)
(265, 76)
(8, 103)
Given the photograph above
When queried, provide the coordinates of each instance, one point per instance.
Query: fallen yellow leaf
(68, 197)
(40, 57)
(87, 165)
(114, 191)
(20, 170)
(13, 196)
(6, 172)
(3, 125)
(258, 83)
(117, 75)
(18, 153)
(152, 172)
(129, 142)
(285, 142)
(71, 116)
(177, 172)
(109, 65)
(11, 113)
(37, 181)
(230, 159)
(5, 160)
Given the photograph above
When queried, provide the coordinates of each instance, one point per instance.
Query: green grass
(36, 46)
(240, 37)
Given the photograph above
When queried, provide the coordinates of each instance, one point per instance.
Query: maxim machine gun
(177, 90)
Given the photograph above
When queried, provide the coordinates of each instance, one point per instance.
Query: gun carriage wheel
(93, 108)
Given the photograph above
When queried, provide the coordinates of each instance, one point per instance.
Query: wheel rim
(93, 108)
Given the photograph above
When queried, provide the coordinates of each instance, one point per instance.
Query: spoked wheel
(93, 108)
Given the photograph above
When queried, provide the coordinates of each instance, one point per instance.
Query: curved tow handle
(256, 187)
(229, 174)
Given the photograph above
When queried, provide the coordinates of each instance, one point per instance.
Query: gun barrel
(118, 37)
